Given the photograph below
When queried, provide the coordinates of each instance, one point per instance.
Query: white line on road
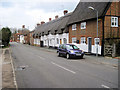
(64, 68)
(41, 57)
(105, 86)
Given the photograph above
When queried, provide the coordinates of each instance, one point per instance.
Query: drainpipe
(103, 37)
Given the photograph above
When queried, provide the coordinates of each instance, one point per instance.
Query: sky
(15, 13)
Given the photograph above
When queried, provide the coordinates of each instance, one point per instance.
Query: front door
(89, 44)
(60, 41)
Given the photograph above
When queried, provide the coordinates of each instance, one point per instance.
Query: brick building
(83, 25)
(17, 37)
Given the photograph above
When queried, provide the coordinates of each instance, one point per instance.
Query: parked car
(69, 50)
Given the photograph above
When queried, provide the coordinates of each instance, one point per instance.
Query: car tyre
(81, 57)
(59, 54)
(68, 56)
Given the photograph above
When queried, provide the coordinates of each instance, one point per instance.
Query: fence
(110, 50)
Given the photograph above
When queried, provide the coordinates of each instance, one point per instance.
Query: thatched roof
(82, 12)
(54, 26)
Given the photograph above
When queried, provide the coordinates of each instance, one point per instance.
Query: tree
(6, 34)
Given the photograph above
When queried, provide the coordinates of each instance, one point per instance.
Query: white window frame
(74, 27)
(96, 40)
(83, 25)
(114, 20)
(57, 40)
(64, 40)
(83, 40)
(74, 39)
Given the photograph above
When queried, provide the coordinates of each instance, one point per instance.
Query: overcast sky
(15, 13)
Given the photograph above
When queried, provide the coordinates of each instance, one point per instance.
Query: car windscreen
(72, 47)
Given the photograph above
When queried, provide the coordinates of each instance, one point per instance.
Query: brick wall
(90, 31)
(112, 32)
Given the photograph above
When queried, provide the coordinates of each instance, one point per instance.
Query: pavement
(0, 68)
(7, 70)
(37, 67)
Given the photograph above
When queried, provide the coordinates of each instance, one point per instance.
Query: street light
(92, 8)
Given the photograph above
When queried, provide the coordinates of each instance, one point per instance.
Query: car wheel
(81, 57)
(59, 54)
(68, 56)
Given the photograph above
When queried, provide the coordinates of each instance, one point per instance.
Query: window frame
(57, 40)
(64, 40)
(83, 40)
(83, 24)
(74, 40)
(74, 27)
(95, 42)
(113, 21)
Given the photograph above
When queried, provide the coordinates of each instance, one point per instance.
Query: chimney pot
(65, 12)
(23, 26)
(56, 16)
(42, 22)
(50, 19)
(38, 24)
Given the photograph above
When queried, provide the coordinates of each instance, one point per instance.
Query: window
(63, 47)
(114, 21)
(57, 41)
(60, 46)
(83, 40)
(83, 25)
(65, 40)
(97, 41)
(71, 47)
(74, 40)
(74, 27)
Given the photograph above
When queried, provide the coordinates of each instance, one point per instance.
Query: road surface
(38, 68)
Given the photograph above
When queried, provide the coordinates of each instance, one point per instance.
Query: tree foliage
(6, 34)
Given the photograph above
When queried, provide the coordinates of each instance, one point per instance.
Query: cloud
(15, 13)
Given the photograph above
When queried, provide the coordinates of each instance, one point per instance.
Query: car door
(64, 50)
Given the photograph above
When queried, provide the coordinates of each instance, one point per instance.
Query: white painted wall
(51, 40)
(84, 47)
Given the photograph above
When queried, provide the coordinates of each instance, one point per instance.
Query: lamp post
(92, 8)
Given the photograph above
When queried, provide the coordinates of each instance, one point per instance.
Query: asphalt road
(39, 68)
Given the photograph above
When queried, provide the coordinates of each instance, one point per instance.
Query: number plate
(78, 54)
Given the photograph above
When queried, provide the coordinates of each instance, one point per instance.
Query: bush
(5, 36)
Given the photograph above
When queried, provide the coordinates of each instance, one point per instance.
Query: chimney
(23, 26)
(56, 16)
(38, 24)
(42, 22)
(65, 12)
(50, 19)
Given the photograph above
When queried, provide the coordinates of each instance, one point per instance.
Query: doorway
(89, 44)
(60, 41)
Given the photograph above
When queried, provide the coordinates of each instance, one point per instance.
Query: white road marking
(64, 68)
(105, 86)
(41, 57)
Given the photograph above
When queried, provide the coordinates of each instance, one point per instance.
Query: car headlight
(71, 51)
(82, 51)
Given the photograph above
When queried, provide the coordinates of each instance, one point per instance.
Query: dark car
(69, 50)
